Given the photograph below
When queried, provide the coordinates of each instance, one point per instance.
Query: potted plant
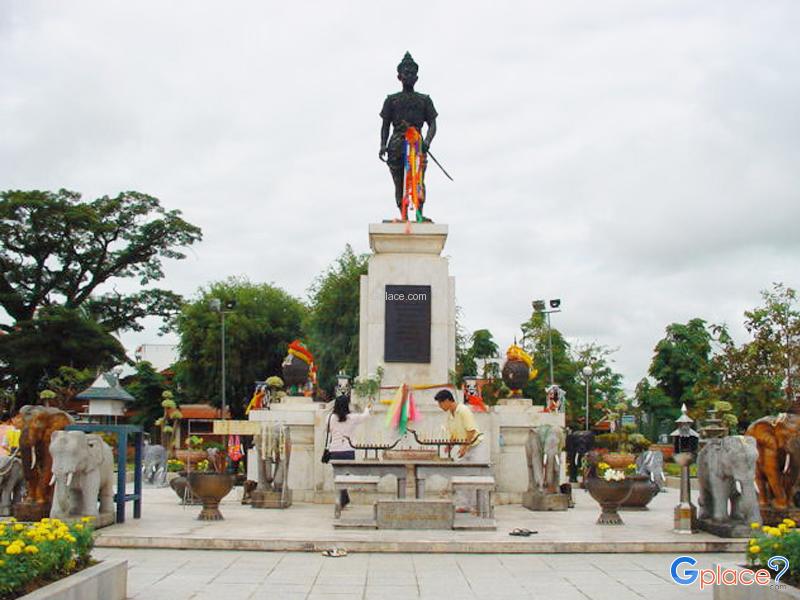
(609, 487)
(370, 386)
(193, 453)
(210, 487)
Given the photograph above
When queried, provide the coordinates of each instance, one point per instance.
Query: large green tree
(759, 377)
(605, 383)
(35, 350)
(258, 329)
(482, 345)
(659, 409)
(58, 251)
(681, 361)
(332, 324)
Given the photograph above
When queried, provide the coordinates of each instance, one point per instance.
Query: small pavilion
(107, 399)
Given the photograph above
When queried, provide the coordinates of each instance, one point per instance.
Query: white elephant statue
(154, 469)
(543, 452)
(83, 471)
(726, 470)
(12, 483)
(651, 463)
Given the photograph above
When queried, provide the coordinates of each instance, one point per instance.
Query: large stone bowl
(609, 495)
(180, 485)
(515, 376)
(295, 371)
(642, 492)
(211, 488)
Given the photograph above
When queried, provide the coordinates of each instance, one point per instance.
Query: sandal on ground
(334, 552)
(521, 532)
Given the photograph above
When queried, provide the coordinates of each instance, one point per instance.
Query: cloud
(636, 160)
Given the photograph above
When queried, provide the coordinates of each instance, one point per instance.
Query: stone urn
(619, 460)
(642, 491)
(295, 371)
(180, 485)
(609, 495)
(211, 488)
(515, 376)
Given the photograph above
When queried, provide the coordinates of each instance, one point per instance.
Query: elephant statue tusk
(786, 463)
(52, 479)
(576, 459)
(33, 458)
(69, 479)
(545, 460)
(738, 485)
(558, 460)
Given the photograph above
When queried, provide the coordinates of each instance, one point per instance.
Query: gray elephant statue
(154, 469)
(726, 470)
(543, 452)
(274, 450)
(577, 445)
(651, 463)
(12, 483)
(83, 471)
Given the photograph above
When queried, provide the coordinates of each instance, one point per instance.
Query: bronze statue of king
(406, 151)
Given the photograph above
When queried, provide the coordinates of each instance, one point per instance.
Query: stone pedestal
(414, 514)
(407, 254)
(512, 419)
(28, 511)
(270, 499)
(533, 500)
(774, 516)
(726, 529)
(302, 416)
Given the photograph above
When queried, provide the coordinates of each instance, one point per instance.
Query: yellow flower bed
(34, 554)
(768, 541)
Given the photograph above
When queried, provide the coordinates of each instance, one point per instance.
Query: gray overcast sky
(638, 160)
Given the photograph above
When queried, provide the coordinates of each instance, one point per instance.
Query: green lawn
(675, 470)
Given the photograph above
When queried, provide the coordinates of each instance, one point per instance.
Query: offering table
(419, 469)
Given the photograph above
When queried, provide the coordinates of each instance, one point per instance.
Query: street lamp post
(217, 306)
(539, 307)
(587, 376)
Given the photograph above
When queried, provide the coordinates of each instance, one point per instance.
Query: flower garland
(414, 167)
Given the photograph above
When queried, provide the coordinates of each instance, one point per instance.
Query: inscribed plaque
(407, 333)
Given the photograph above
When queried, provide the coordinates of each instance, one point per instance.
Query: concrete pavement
(309, 527)
(243, 575)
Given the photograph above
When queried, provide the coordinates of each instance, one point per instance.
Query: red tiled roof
(199, 411)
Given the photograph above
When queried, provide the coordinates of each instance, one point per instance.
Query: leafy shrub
(607, 440)
(174, 465)
(638, 442)
(35, 554)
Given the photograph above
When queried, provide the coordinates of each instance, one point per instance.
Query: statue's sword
(433, 158)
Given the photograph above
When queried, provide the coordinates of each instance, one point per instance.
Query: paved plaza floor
(239, 575)
(309, 527)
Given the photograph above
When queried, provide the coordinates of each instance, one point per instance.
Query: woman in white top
(341, 423)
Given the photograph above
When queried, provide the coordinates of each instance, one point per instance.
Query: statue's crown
(408, 62)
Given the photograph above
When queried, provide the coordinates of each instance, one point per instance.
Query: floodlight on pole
(217, 306)
(587, 376)
(539, 306)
